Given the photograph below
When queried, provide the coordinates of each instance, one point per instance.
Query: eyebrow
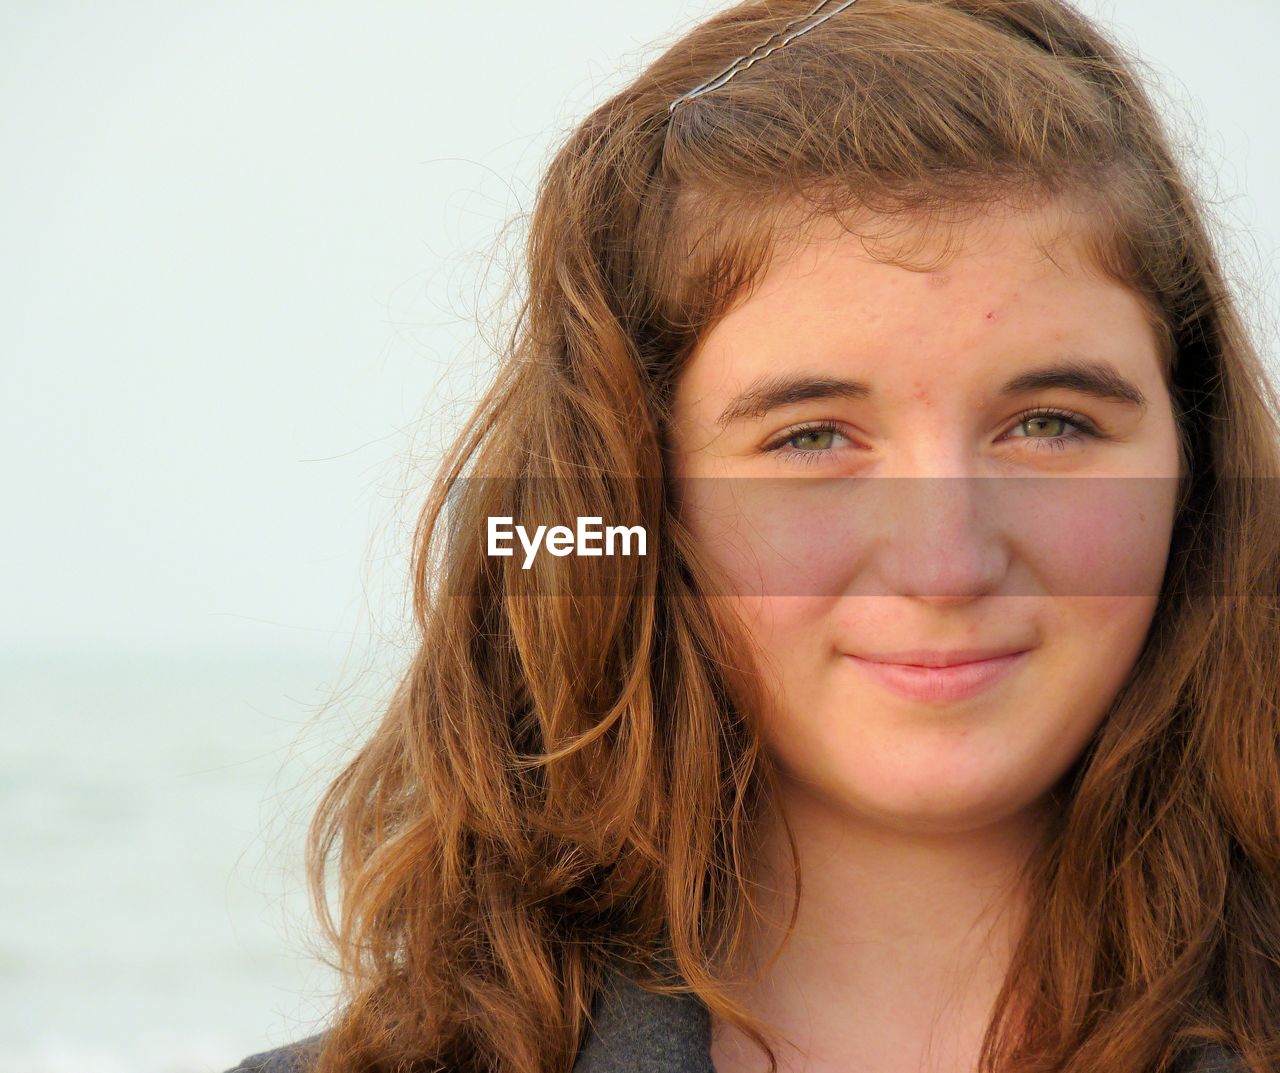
(1098, 379)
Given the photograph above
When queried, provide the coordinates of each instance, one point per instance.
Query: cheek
(785, 634)
(1099, 639)
(1104, 537)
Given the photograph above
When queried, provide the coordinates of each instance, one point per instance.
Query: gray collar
(635, 1031)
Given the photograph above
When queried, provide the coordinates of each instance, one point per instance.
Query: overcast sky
(243, 246)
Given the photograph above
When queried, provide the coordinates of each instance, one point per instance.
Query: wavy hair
(564, 783)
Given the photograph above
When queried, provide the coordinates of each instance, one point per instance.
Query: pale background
(244, 250)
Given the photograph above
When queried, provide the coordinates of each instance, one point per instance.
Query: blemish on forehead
(991, 314)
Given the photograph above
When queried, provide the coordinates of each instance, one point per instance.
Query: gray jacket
(638, 1032)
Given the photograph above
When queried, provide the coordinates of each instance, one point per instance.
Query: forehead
(895, 280)
(829, 259)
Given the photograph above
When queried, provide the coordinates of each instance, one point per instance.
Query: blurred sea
(152, 810)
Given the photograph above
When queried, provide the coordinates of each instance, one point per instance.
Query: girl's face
(842, 366)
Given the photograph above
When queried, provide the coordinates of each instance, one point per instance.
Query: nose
(938, 539)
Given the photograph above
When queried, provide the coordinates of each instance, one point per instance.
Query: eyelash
(1085, 429)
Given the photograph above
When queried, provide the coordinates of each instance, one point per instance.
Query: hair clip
(762, 50)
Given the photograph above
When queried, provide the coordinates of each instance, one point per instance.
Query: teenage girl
(936, 730)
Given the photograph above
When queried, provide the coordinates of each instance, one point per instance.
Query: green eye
(822, 429)
(1083, 427)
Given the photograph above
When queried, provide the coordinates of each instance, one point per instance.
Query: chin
(924, 804)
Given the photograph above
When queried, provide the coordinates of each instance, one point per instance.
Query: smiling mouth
(939, 684)
(923, 657)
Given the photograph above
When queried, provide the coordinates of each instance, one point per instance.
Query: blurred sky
(244, 245)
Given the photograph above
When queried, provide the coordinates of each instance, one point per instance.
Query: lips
(940, 684)
(923, 657)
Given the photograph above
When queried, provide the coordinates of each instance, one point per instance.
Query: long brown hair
(564, 783)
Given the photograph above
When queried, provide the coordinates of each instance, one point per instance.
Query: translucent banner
(827, 536)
